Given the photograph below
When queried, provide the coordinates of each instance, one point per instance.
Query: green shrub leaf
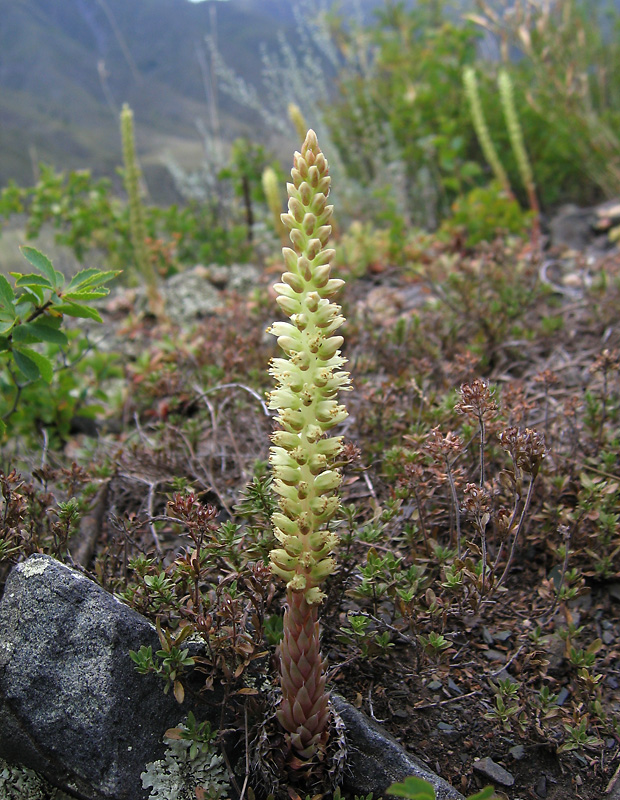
(43, 264)
(88, 278)
(23, 335)
(26, 365)
(7, 295)
(85, 294)
(46, 331)
(6, 325)
(31, 279)
(75, 310)
(83, 278)
(35, 295)
(33, 365)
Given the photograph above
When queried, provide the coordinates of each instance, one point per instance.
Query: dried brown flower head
(476, 501)
(477, 400)
(526, 447)
(442, 447)
(547, 377)
(607, 361)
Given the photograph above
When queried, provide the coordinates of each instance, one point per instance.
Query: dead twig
(202, 393)
(449, 700)
(508, 663)
(150, 501)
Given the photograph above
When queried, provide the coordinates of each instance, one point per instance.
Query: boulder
(375, 760)
(197, 293)
(74, 710)
(586, 229)
(572, 227)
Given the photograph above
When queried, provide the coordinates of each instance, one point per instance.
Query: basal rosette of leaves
(303, 454)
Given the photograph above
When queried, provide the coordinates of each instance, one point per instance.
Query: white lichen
(32, 567)
(20, 783)
(6, 651)
(177, 776)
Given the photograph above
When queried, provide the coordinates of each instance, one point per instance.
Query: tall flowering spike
(482, 130)
(137, 225)
(303, 454)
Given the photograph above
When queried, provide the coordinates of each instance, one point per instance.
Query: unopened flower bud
(283, 559)
(314, 596)
(296, 209)
(327, 482)
(286, 525)
(329, 347)
(321, 570)
(294, 281)
(289, 305)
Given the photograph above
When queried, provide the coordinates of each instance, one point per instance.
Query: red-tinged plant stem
(303, 711)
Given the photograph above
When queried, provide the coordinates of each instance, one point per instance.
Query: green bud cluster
(307, 384)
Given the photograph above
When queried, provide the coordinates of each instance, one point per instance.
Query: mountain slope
(67, 66)
(54, 105)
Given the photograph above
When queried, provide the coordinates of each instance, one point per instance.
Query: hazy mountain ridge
(53, 106)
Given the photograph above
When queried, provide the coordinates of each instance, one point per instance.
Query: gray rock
(495, 655)
(517, 752)
(572, 227)
(613, 789)
(487, 635)
(541, 786)
(190, 295)
(375, 760)
(196, 293)
(585, 229)
(488, 768)
(614, 589)
(72, 706)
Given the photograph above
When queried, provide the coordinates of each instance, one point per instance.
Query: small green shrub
(486, 212)
(31, 315)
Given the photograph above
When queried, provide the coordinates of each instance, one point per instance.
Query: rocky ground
(521, 691)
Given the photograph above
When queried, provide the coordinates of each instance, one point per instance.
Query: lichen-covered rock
(197, 293)
(72, 706)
